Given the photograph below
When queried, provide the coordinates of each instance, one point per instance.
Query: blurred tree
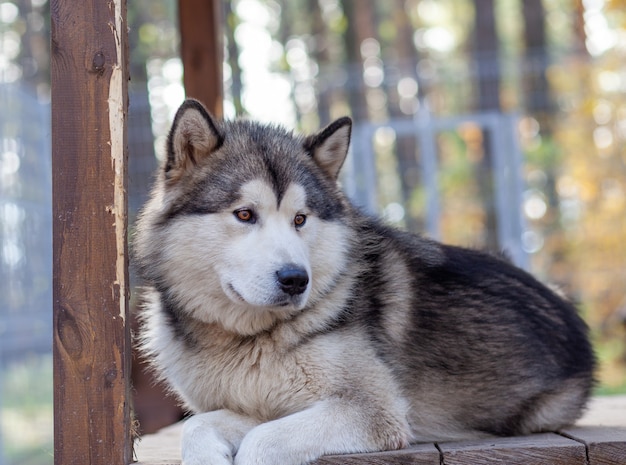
(32, 24)
(485, 51)
(152, 34)
(538, 106)
(402, 54)
(535, 84)
(361, 26)
(590, 130)
(320, 55)
(232, 21)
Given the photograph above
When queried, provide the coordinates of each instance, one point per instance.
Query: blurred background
(496, 124)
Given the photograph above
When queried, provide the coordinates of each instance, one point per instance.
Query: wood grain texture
(89, 78)
(605, 446)
(201, 50)
(537, 449)
(418, 454)
(162, 448)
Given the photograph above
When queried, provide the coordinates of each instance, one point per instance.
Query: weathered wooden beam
(548, 448)
(89, 79)
(202, 51)
(417, 454)
(605, 446)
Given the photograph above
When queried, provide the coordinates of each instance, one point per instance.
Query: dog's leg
(213, 438)
(328, 427)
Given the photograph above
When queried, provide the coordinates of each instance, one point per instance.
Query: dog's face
(265, 246)
(250, 221)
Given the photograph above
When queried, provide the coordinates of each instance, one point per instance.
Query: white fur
(267, 395)
(235, 282)
(296, 389)
(215, 437)
(295, 436)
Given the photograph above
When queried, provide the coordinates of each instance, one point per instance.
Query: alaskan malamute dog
(294, 326)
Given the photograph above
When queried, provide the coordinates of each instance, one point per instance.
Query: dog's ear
(193, 136)
(329, 147)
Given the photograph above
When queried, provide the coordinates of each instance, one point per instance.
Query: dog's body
(305, 328)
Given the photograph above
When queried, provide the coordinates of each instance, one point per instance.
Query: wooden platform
(599, 438)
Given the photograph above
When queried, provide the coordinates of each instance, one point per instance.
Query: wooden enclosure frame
(89, 67)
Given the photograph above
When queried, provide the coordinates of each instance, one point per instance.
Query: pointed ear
(193, 135)
(329, 147)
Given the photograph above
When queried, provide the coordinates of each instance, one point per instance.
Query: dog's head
(246, 224)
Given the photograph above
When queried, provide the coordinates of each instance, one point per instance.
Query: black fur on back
(476, 321)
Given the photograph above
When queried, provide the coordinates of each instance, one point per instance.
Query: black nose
(293, 280)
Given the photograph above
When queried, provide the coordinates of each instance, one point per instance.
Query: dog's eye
(299, 220)
(245, 215)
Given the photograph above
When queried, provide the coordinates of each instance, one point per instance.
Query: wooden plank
(605, 411)
(605, 446)
(544, 449)
(418, 454)
(162, 448)
(202, 51)
(89, 79)
(537, 449)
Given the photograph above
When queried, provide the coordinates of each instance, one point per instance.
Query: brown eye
(244, 215)
(299, 220)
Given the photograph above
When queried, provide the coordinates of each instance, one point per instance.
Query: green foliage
(26, 411)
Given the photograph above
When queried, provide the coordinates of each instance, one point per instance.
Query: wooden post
(89, 79)
(201, 51)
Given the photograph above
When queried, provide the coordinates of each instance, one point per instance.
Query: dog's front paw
(212, 438)
(267, 445)
(259, 451)
(209, 452)
(208, 458)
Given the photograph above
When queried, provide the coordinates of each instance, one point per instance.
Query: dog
(293, 325)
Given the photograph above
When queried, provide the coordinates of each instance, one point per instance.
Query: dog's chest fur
(252, 375)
